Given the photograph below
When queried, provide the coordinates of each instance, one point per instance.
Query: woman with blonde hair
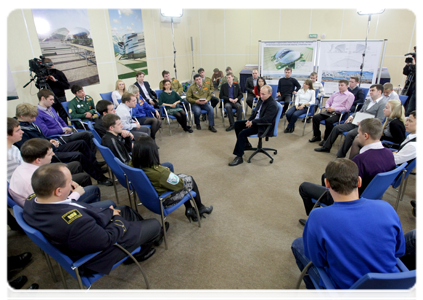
(393, 127)
(119, 90)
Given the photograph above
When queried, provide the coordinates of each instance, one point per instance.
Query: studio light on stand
(172, 15)
(366, 12)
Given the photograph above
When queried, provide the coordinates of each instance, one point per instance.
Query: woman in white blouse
(119, 90)
(304, 98)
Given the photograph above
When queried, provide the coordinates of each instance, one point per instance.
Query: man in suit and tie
(145, 91)
(231, 95)
(265, 112)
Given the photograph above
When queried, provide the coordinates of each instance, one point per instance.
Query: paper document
(360, 116)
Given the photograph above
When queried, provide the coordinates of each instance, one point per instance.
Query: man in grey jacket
(373, 106)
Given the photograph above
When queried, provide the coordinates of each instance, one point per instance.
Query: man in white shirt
(14, 134)
(389, 93)
(317, 85)
(408, 148)
(124, 111)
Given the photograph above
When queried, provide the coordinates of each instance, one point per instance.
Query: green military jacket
(194, 93)
(207, 82)
(224, 80)
(163, 180)
(78, 108)
(176, 86)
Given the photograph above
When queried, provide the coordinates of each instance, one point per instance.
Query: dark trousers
(310, 191)
(411, 104)
(337, 130)
(78, 175)
(285, 99)
(213, 101)
(153, 122)
(229, 106)
(242, 133)
(250, 99)
(86, 136)
(329, 124)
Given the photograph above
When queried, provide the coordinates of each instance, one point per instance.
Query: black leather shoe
(302, 221)
(303, 120)
(29, 293)
(203, 118)
(198, 127)
(106, 181)
(323, 149)
(101, 163)
(287, 130)
(237, 160)
(212, 129)
(322, 143)
(18, 282)
(145, 256)
(104, 169)
(309, 119)
(248, 147)
(18, 262)
(315, 139)
(230, 128)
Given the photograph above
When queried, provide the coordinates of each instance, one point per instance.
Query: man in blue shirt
(352, 237)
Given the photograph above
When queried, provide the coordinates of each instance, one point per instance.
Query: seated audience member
(372, 160)
(409, 258)
(125, 111)
(352, 237)
(145, 113)
(199, 97)
(77, 229)
(337, 102)
(303, 99)
(14, 134)
(217, 75)
(120, 146)
(317, 85)
(38, 152)
(170, 100)
(105, 107)
(250, 85)
(265, 112)
(145, 91)
(208, 83)
(260, 83)
(146, 157)
(286, 87)
(393, 127)
(82, 106)
(358, 93)
(374, 106)
(408, 148)
(389, 93)
(231, 94)
(223, 80)
(51, 124)
(120, 89)
(176, 85)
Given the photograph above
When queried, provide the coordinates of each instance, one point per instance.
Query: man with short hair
(389, 93)
(208, 83)
(352, 237)
(408, 148)
(372, 159)
(124, 111)
(14, 158)
(121, 147)
(265, 112)
(38, 152)
(231, 94)
(223, 80)
(250, 83)
(199, 97)
(374, 106)
(356, 91)
(145, 91)
(176, 85)
(337, 102)
(286, 87)
(105, 107)
(217, 75)
(78, 229)
(82, 106)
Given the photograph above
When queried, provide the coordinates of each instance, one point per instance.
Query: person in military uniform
(224, 80)
(78, 229)
(207, 82)
(176, 85)
(82, 106)
(199, 96)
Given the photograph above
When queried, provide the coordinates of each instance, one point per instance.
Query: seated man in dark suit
(78, 229)
(145, 91)
(372, 160)
(265, 112)
(231, 94)
(250, 83)
(113, 139)
(358, 93)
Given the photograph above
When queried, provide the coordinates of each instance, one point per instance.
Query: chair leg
(112, 175)
(48, 261)
(133, 258)
(63, 277)
(196, 209)
(163, 223)
(303, 273)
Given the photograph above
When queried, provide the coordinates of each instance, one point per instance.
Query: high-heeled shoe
(205, 210)
(191, 214)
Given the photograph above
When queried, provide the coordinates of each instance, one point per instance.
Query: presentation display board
(342, 59)
(300, 56)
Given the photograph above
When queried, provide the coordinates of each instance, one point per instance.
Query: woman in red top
(260, 83)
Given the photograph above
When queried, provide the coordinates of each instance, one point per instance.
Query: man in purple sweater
(373, 159)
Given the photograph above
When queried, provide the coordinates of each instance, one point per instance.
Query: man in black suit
(231, 95)
(145, 91)
(250, 83)
(265, 112)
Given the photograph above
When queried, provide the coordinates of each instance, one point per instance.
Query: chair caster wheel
(271, 161)
(276, 152)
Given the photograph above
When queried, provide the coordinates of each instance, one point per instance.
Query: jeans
(292, 115)
(91, 195)
(196, 109)
(229, 106)
(297, 248)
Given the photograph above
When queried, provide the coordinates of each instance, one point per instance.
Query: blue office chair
(75, 121)
(164, 114)
(64, 261)
(275, 133)
(106, 96)
(403, 99)
(158, 92)
(401, 181)
(233, 110)
(95, 133)
(10, 202)
(405, 279)
(149, 197)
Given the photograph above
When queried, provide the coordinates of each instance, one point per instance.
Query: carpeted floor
(246, 242)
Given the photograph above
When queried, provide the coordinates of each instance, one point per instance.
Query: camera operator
(58, 83)
(410, 84)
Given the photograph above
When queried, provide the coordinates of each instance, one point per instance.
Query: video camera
(41, 70)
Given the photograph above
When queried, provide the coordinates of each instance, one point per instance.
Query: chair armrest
(83, 260)
(162, 196)
(267, 129)
(325, 279)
